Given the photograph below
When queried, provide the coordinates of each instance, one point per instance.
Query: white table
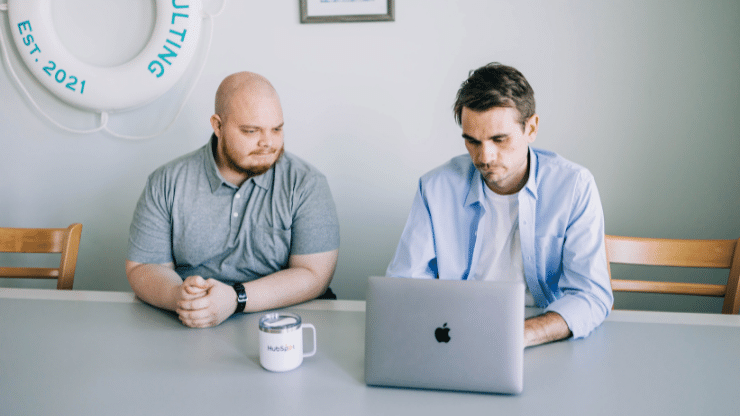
(106, 353)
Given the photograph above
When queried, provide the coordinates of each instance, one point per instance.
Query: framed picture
(327, 11)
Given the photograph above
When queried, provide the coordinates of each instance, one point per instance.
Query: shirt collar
(264, 180)
(475, 187)
(214, 176)
(531, 185)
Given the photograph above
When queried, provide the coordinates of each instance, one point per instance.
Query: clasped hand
(204, 303)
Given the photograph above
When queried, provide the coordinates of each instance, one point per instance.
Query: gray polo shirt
(189, 215)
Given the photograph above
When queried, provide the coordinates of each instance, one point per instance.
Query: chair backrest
(43, 240)
(723, 254)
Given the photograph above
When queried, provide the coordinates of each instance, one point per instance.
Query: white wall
(644, 93)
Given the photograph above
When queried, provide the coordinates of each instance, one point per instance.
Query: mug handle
(313, 329)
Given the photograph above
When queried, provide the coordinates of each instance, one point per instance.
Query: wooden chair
(43, 240)
(722, 254)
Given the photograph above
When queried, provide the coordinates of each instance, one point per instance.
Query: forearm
(306, 278)
(545, 328)
(284, 288)
(156, 284)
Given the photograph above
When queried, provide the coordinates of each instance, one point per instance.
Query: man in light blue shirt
(507, 211)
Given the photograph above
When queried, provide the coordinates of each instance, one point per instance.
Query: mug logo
(442, 334)
(280, 348)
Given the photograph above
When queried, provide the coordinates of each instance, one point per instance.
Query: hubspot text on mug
(281, 341)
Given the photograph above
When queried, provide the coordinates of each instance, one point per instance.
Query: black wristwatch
(241, 297)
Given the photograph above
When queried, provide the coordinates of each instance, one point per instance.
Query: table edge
(678, 318)
(130, 297)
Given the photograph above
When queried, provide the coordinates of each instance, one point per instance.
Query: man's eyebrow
(498, 136)
(254, 127)
(494, 137)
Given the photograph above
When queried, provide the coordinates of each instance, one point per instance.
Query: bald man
(237, 226)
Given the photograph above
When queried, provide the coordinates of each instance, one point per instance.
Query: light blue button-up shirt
(561, 226)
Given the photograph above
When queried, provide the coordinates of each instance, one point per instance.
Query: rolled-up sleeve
(584, 286)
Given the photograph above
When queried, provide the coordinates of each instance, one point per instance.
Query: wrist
(174, 297)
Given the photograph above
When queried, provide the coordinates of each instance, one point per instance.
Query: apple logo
(442, 334)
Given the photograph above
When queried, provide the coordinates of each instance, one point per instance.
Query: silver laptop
(442, 334)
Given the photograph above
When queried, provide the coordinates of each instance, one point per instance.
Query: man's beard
(257, 170)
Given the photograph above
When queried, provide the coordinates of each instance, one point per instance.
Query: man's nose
(488, 153)
(265, 140)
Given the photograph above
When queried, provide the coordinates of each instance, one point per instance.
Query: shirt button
(237, 196)
(236, 214)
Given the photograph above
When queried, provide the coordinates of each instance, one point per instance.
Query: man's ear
(216, 124)
(531, 128)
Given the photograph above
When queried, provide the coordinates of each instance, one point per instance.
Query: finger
(200, 324)
(203, 322)
(188, 297)
(195, 304)
(193, 291)
(196, 281)
(190, 316)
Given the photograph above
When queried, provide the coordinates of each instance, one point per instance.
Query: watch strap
(241, 297)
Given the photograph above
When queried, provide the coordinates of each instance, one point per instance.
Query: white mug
(281, 341)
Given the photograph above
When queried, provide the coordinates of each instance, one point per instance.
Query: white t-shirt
(501, 249)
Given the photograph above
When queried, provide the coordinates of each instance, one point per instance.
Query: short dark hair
(495, 85)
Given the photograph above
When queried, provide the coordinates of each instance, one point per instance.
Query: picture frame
(344, 11)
